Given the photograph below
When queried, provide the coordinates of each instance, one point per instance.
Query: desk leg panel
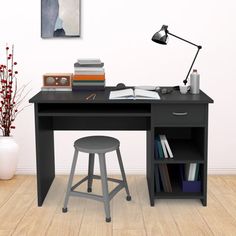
(150, 165)
(44, 155)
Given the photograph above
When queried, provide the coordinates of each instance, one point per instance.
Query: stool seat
(97, 144)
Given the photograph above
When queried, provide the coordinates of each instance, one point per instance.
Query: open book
(133, 94)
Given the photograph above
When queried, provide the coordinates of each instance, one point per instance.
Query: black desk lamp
(162, 37)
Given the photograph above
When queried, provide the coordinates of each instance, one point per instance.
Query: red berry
(7, 48)
(15, 63)
(16, 72)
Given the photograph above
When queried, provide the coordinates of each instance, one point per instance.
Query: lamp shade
(161, 36)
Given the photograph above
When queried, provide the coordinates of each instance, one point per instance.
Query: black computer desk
(183, 118)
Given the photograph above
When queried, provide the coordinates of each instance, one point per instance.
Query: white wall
(119, 32)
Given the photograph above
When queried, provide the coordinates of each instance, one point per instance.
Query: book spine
(89, 77)
(157, 180)
(167, 146)
(160, 151)
(165, 178)
(197, 172)
(86, 88)
(169, 187)
(79, 64)
(89, 69)
(89, 83)
(89, 73)
(163, 146)
(156, 150)
(192, 171)
(186, 171)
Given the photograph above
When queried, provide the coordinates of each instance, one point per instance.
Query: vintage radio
(57, 80)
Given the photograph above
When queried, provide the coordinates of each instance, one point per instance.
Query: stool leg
(69, 185)
(90, 171)
(123, 174)
(106, 198)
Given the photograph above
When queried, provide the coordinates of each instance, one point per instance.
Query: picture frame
(60, 18)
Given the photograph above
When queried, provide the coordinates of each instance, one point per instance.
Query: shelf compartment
(177, 182)
(186, 144)
(189, 186)
(184, 151)
(80, 109)
(99, 123)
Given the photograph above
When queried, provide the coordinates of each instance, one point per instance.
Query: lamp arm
(186, 79)
(198, 46)
(182, 39)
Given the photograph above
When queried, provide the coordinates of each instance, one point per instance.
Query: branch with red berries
(9, 96)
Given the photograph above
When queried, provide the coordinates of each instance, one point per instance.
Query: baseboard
(63, 171)
(222, 171)
(138, 171)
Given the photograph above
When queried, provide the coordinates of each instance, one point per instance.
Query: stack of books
(89, 74)
(162, 148)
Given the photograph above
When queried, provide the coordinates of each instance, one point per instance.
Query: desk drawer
(179, 114)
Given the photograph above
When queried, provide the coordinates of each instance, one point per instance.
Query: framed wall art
(60, 18)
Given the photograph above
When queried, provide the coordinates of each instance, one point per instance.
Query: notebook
(136, 93)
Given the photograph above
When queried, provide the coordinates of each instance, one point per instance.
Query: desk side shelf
(188, 145)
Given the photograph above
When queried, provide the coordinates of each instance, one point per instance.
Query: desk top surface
(103, 97)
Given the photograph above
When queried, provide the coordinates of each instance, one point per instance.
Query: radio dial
(50, 80)
(64, 81)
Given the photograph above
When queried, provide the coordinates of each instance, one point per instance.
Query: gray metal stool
(100, 145)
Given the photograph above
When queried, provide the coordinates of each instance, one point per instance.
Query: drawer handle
(180, 113)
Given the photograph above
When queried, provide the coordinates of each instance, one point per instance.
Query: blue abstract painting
(60, 18)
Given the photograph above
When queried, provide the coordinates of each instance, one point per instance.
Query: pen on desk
(91, 96)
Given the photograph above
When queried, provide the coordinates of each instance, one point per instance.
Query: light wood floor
(19, 214)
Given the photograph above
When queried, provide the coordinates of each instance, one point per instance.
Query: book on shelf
(165, 178)
(156, 154)
(158, 148)
(197, 171)
(131, 93)
(166, 143)
(163, 146)
(157, 179)
(191, 171)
